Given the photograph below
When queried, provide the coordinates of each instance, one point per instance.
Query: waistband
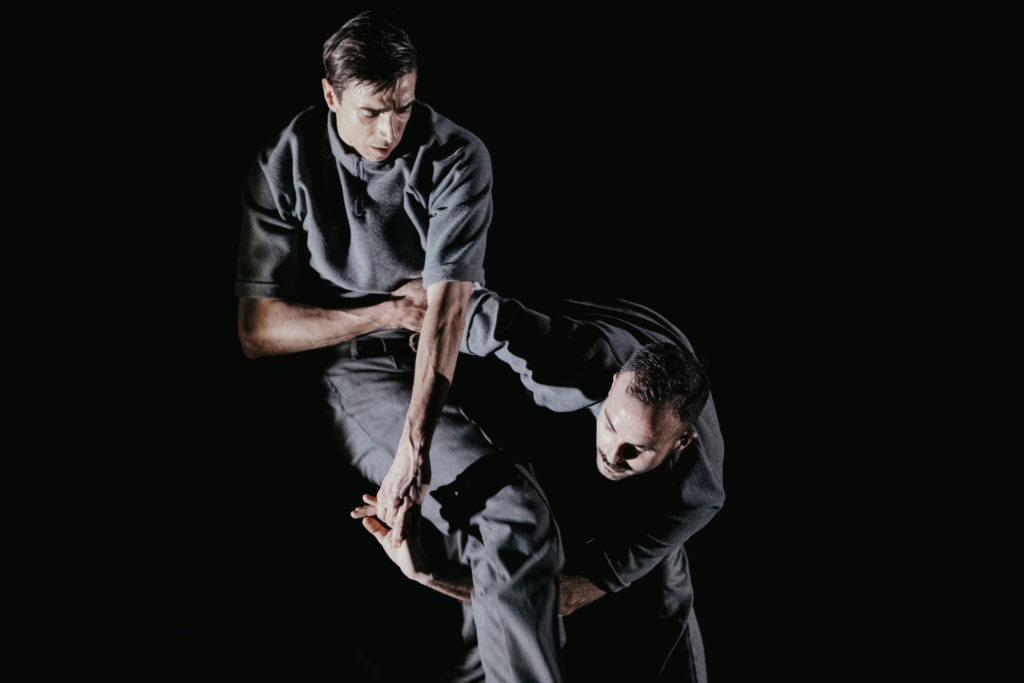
(376, 347)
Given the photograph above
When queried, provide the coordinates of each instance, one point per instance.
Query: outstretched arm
(453, 579)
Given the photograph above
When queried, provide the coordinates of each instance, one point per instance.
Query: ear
(688, 436)
(333, 101)
(614, 377)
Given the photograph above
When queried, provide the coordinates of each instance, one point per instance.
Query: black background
(194, 507)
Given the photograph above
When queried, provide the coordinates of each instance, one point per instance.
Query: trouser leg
(652, 620)
(671, 586)
(686, 661)
(468, 668)
(507, 535)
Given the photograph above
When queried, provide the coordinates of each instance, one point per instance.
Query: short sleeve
(460, 214)
(272, 255)
(614, 563)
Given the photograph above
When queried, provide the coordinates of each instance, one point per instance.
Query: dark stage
(200, 522)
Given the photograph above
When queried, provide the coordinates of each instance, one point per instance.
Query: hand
(410, 305)
(402, 492)
(407, 554)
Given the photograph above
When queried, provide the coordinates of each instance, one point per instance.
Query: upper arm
(460, 211)
(273, 255)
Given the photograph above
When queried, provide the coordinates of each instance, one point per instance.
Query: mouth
(381, 151)
(620, 468)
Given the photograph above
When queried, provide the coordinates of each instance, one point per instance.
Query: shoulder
(445, 141)
(304, 135)
(279, 174)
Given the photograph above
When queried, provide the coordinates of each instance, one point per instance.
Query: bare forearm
(436, 355)
(455, 581)
(405, 485)
(575, 592)
(268, 327)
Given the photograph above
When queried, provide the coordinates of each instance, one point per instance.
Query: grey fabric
(672, 604)
(661, 639)
(564, 354)
(565, 357)
(491, 504)
(322, 225)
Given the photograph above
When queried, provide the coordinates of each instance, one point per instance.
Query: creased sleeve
(564, 364)
(460, 208)
(272, 255)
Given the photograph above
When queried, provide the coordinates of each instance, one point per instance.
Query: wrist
(383, 315)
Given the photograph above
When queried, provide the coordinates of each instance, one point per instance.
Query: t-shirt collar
(351, 160)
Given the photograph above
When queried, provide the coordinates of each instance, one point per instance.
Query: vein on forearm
(436, 356)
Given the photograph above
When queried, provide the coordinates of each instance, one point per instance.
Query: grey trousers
(663, 642)
(491, 505)
(648, 633)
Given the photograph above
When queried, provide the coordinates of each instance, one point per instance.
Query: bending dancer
(625, 508)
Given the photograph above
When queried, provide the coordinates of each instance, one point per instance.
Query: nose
(622, 452)
(386, 127)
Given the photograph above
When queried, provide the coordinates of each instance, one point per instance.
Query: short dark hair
(368, 49)
(666, 374)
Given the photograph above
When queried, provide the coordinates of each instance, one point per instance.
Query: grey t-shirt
(322, 225)
(565, 354)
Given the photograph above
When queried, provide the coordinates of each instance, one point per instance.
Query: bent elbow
(252, 348)
(250, 333)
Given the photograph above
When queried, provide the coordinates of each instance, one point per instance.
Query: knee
(519, 540)
(499, 505)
